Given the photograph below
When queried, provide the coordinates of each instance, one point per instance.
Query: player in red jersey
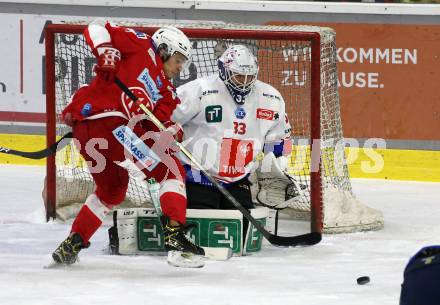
(114, 137)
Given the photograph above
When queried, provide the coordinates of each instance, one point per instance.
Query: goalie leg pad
(219, 232)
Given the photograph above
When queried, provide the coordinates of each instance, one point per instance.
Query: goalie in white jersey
(228, 119)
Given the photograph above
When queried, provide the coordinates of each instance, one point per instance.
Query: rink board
(398, 164)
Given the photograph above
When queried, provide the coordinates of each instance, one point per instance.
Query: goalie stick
(307, 239)
(44, 153)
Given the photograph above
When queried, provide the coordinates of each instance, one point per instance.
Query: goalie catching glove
(277, 189)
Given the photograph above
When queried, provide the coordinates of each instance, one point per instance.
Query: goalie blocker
(138, 231)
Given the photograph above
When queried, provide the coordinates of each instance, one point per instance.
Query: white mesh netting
(285, 64)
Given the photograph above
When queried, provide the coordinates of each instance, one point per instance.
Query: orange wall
(402, 98)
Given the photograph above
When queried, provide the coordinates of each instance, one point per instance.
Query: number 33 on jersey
(226, 136)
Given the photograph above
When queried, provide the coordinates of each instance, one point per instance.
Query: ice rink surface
(317, 275)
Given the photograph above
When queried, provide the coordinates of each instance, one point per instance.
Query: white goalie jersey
(225, 136)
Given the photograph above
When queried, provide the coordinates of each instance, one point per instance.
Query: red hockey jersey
(140, 69)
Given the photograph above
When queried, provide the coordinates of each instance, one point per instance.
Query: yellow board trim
(23, 143)
(398, 164)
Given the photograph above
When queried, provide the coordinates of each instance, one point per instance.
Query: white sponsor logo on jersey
(136, 147)
(150, 85)
(233, 170)
(128, 103)
(267, 114)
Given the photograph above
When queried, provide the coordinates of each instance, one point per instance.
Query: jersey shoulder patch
(140, 35)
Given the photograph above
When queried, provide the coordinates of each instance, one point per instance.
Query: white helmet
(238, 60)
(174, 40)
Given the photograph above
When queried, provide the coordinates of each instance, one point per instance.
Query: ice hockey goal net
(300, 61)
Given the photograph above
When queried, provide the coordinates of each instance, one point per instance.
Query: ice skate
(181, 251)
(67, 251)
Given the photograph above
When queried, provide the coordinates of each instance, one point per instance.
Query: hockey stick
(299, 240)
(44, 153)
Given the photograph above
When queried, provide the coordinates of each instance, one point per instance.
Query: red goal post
(297, 50)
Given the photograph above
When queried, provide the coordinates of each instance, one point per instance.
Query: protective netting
(286, 65)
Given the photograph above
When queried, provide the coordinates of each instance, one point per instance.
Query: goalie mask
(238, 68)
(172, 40)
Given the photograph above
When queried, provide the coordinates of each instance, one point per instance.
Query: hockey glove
(168, 137)
(175, 130)
(108, 59)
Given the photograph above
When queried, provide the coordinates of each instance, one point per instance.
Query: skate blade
(185, 259)
(58, 265)
(55, 265)
(218, 254)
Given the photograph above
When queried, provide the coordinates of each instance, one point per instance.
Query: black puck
(363, 280)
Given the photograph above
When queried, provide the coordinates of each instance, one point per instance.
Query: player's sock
(86, 223)
(90, 217)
